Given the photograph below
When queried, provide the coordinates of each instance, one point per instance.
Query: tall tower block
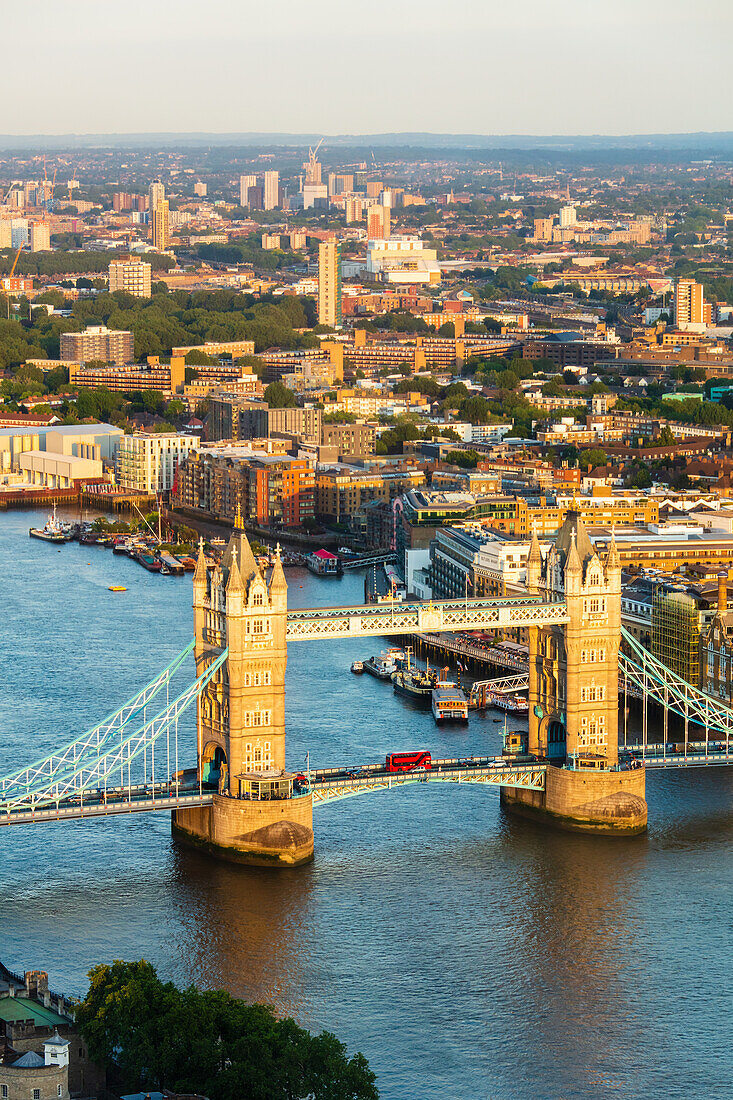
(573, 691)
(258, 815)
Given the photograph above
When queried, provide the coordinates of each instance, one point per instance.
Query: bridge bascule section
(241, 804)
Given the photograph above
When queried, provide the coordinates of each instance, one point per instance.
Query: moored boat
(380, 667)
(357, 667)
(414, 683)
(53, 531)
(449, 704)
(515, 704)
(324, 564)
(148, 561)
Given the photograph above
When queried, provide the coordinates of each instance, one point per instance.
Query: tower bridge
(241, 804)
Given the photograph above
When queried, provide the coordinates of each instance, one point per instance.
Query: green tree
(152, 1035)
(592, 457)
(279, 396)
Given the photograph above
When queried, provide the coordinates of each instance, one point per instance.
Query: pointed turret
(247, 564)
(234, 583)
(534, 563)
(572, 562)
(613, 561)
(199, 576)
(278, 584)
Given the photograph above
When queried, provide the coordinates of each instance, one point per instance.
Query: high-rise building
(312, 167)
(97, 342)
(568, 216)
(147, 462)
(271, 190)
(6, 233)
(353, 209)
(156, 194)
(131, 275)
(379, 223)
(689, 305)
(40, 237)
(159, 226)
(200, 189)
(329, 283)
(245, 182)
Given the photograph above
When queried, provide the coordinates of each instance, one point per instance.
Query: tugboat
(357, 667)
(448, 702)
(414, 683)
(53, 531)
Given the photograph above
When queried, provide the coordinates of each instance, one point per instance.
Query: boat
(188, 563)
(380, 667)
(117, 588)
(148, 561)
(414, 683)
(515, 704)
(399, 656)
(53, 531)
(357, 667)
(172, 564)
(324, 564)
(449, 704)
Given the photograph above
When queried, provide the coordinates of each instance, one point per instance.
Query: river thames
(468, 955)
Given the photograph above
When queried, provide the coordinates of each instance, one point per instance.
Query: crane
(6, 282)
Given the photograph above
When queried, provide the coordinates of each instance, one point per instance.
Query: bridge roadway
(337, 784)
(413, 618)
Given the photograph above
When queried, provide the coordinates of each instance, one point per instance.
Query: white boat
(357, 667)
(53, 531)
(381, 667)
(448, 702)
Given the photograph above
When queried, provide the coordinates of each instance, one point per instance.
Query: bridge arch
(214, 766)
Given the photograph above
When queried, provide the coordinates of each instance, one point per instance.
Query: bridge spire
(199, 576)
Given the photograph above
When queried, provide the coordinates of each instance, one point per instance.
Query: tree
(151, 1034)
(592, 457)
(279, 396)
(467, 459)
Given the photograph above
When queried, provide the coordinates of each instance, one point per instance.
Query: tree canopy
(152, 1035)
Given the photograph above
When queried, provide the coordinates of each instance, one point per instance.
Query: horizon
(162, 67)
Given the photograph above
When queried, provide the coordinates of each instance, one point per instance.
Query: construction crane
(6, 283)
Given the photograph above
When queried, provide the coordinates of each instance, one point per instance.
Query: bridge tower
(256, 817)
(573, 690)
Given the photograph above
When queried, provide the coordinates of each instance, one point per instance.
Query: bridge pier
(259, 834)
(607, 803)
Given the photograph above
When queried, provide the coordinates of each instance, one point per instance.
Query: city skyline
(493, 74)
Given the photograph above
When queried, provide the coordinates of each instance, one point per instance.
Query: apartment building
(160, 225)
(153, 375)
(350, 439)
(269, 490)
(343, 490)
(233, 416)
(329, 284)
(214, 348)
(132, 275)
(98, 342)
(39, 237)
(147, 462)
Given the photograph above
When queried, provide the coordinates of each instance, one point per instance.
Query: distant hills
(703, 143)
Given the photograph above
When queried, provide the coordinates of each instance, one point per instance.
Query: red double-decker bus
(406, 761)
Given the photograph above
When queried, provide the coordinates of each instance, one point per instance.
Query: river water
(468, 955)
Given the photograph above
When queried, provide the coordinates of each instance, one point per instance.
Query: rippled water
(467, 954)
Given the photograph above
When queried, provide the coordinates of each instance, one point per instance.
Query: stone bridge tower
(256, 817)
(573, 689)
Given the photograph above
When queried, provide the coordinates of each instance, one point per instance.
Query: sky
(354, 67)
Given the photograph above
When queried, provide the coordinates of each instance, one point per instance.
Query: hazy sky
(345, 66)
